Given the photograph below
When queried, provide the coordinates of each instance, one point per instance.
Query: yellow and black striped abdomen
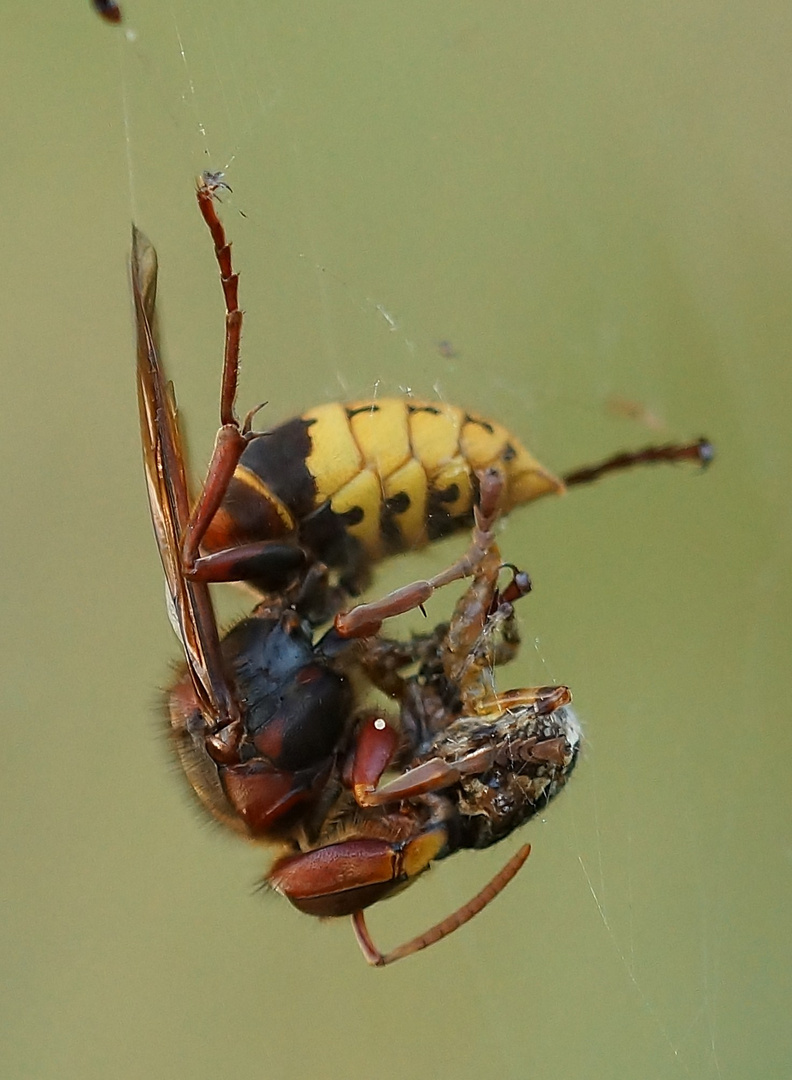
(392, 473)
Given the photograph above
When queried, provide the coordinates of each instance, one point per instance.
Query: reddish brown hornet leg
(374, 746)
(432, 775)
(366, 620)
(236, 563)
(701, 452)
(228, 447)
(436, 774)
(447, 926)
(231, 439)
(206, 195)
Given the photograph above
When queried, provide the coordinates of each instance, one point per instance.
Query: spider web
(395, 243)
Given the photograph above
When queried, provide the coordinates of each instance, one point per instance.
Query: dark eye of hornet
(272, 723)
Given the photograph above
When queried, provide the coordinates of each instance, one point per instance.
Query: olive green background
(585, 201)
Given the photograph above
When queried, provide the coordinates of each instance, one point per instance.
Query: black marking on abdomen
(490, 430)
(398, 504)
(279, 459)
(362, 409)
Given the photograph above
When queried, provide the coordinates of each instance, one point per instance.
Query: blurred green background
(586, 202)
